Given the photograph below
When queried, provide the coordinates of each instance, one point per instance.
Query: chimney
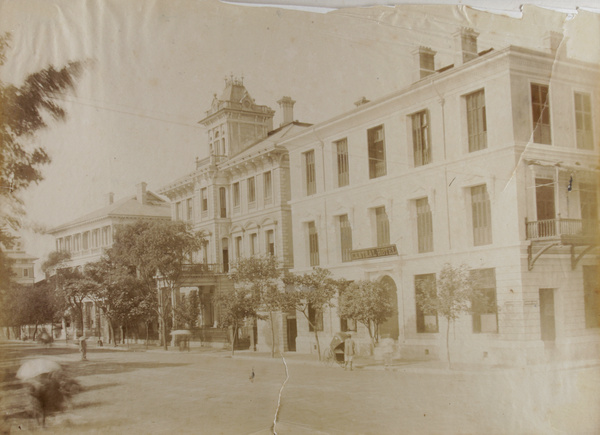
(361, 101)
(287, 104)
(110, 198)
(141, 193)
(424, 61)
(553, 40)
(465, 46)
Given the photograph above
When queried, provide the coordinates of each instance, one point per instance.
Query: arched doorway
(391, 326)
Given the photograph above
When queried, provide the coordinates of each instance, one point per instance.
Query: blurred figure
(83, 347)
(50, 387)
(45, 338)
(349, 351)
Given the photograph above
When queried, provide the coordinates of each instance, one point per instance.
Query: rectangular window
(268, 187)
(421, 139)
(309, 172)
(313, 244)
(236, 194)
(251, 191)
(270, 239)
(377, 165)
(223, 202)
(86, 240)
(345, 238)
(476, 121)
(424, 226)
(383, 227)
(343, 170)
(238, 247)
(426, 321)
(315, 318)
(540, 110)
(253, 244)
(482, 217)
(484, 308)
(204, 201)
(583, 121)
(591, 296)
(190, 209)
(26, 273)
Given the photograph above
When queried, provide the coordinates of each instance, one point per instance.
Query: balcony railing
(569, 230)
(205, 268)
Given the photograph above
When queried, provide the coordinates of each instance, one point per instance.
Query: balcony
(203, 269)
(565, 231)
(580, 235)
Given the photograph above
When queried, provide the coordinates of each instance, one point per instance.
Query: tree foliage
(24, 110)
(262, 277)
(451, 295)
(367, 302)
(188, 309)
(312, 291)
(157, 250)
(235, 307)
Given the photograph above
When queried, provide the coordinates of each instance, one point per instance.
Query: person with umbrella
(50, 388)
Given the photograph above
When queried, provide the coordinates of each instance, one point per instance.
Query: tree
(118, 292)
(24, 110)
(235, 307)
(188, 310)
(159, 251)
(367, 302)
(262, 277)
(77, 286)
(310, 294)
(452, 295)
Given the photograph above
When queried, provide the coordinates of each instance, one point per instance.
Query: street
(210, 392)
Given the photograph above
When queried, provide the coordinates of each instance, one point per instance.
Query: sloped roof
(234, 92)
(155, 207)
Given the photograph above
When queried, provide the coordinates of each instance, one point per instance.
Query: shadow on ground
(86, 368)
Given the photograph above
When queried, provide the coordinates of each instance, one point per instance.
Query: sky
(154, 66)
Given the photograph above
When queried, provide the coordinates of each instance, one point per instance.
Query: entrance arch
(391, 325)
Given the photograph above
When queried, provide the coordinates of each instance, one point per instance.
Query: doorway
(391, 326)
(547, 320)
(292, 333)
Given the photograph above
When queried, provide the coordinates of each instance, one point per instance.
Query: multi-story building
(238, 196)
(88, 237)
(491, 162)
(22, 264)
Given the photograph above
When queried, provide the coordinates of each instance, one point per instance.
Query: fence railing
(556, 228)
(205, 268)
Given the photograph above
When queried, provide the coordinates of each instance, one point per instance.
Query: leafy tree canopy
(24, 110)
(367, 302)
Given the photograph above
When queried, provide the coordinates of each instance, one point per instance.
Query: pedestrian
(83, 348)
(349, 351)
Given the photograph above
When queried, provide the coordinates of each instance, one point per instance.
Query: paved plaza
(207, 391)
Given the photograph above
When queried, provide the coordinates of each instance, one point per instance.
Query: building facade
(239, 197)
(87, 238)
(23, 264)
(491, 162)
